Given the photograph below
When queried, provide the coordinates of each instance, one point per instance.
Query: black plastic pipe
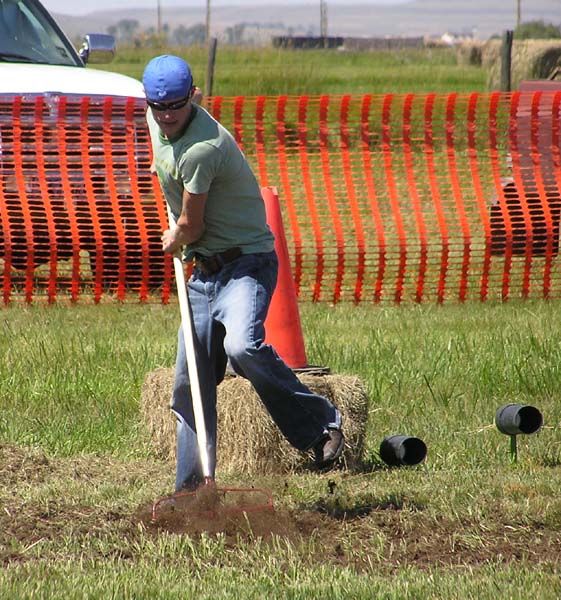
(398, 450)
(513, 419)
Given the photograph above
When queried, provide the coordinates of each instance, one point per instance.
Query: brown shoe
(330, 448)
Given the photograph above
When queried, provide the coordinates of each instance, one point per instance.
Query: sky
(72, 7)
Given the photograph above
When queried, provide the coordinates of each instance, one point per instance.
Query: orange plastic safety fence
(436, 197)
(431, 197)
(81, 217)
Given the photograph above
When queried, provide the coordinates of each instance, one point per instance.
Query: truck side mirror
(97, 48)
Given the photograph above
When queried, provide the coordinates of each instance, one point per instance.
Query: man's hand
(174, 239)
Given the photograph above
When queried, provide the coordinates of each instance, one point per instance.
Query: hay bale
(470, 53)
(248, 440)
(531, 59)
(155, 400)
(491, 52)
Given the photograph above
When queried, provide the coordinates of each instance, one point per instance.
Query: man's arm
(190, 226)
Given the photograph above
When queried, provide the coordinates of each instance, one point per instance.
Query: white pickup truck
(99, 202)
(36, 57)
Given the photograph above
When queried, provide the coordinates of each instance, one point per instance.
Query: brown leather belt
(210, 265)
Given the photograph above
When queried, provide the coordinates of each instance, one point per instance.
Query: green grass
(80, 391)
(71, 391)
(466, 524)
(268, 71)
(149, 579)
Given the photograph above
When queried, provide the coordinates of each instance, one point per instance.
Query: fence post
(210, 67)
(506, 60)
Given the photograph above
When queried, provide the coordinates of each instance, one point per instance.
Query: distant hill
(417, 18)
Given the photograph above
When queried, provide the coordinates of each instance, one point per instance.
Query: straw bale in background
(248, 440)
(470, 53)
(531, 59)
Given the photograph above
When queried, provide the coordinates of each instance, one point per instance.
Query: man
(220, 220)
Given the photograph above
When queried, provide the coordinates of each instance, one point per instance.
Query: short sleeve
(199, 166)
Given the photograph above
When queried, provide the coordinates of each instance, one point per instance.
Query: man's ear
(196, 95)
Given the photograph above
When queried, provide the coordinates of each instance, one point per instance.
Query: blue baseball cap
(167, 77)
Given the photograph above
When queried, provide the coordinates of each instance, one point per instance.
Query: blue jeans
(229, 310)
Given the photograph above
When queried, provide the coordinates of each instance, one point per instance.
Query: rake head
(209, 501)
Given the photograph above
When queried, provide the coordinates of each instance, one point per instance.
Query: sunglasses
(165, 106)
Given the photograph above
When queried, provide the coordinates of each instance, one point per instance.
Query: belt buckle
(208, 265)
(213, 265)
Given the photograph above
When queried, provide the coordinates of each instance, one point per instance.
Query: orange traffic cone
(282, 326)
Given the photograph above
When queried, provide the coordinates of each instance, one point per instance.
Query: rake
(208, 500)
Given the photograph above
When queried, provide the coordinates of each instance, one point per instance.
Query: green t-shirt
(206, 159)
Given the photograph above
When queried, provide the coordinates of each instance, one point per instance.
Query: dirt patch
(349, 537)
(362, 533)
(238, 515)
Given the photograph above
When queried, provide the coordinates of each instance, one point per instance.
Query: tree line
(129, 31)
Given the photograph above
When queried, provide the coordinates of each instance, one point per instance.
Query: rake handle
(187, 327)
